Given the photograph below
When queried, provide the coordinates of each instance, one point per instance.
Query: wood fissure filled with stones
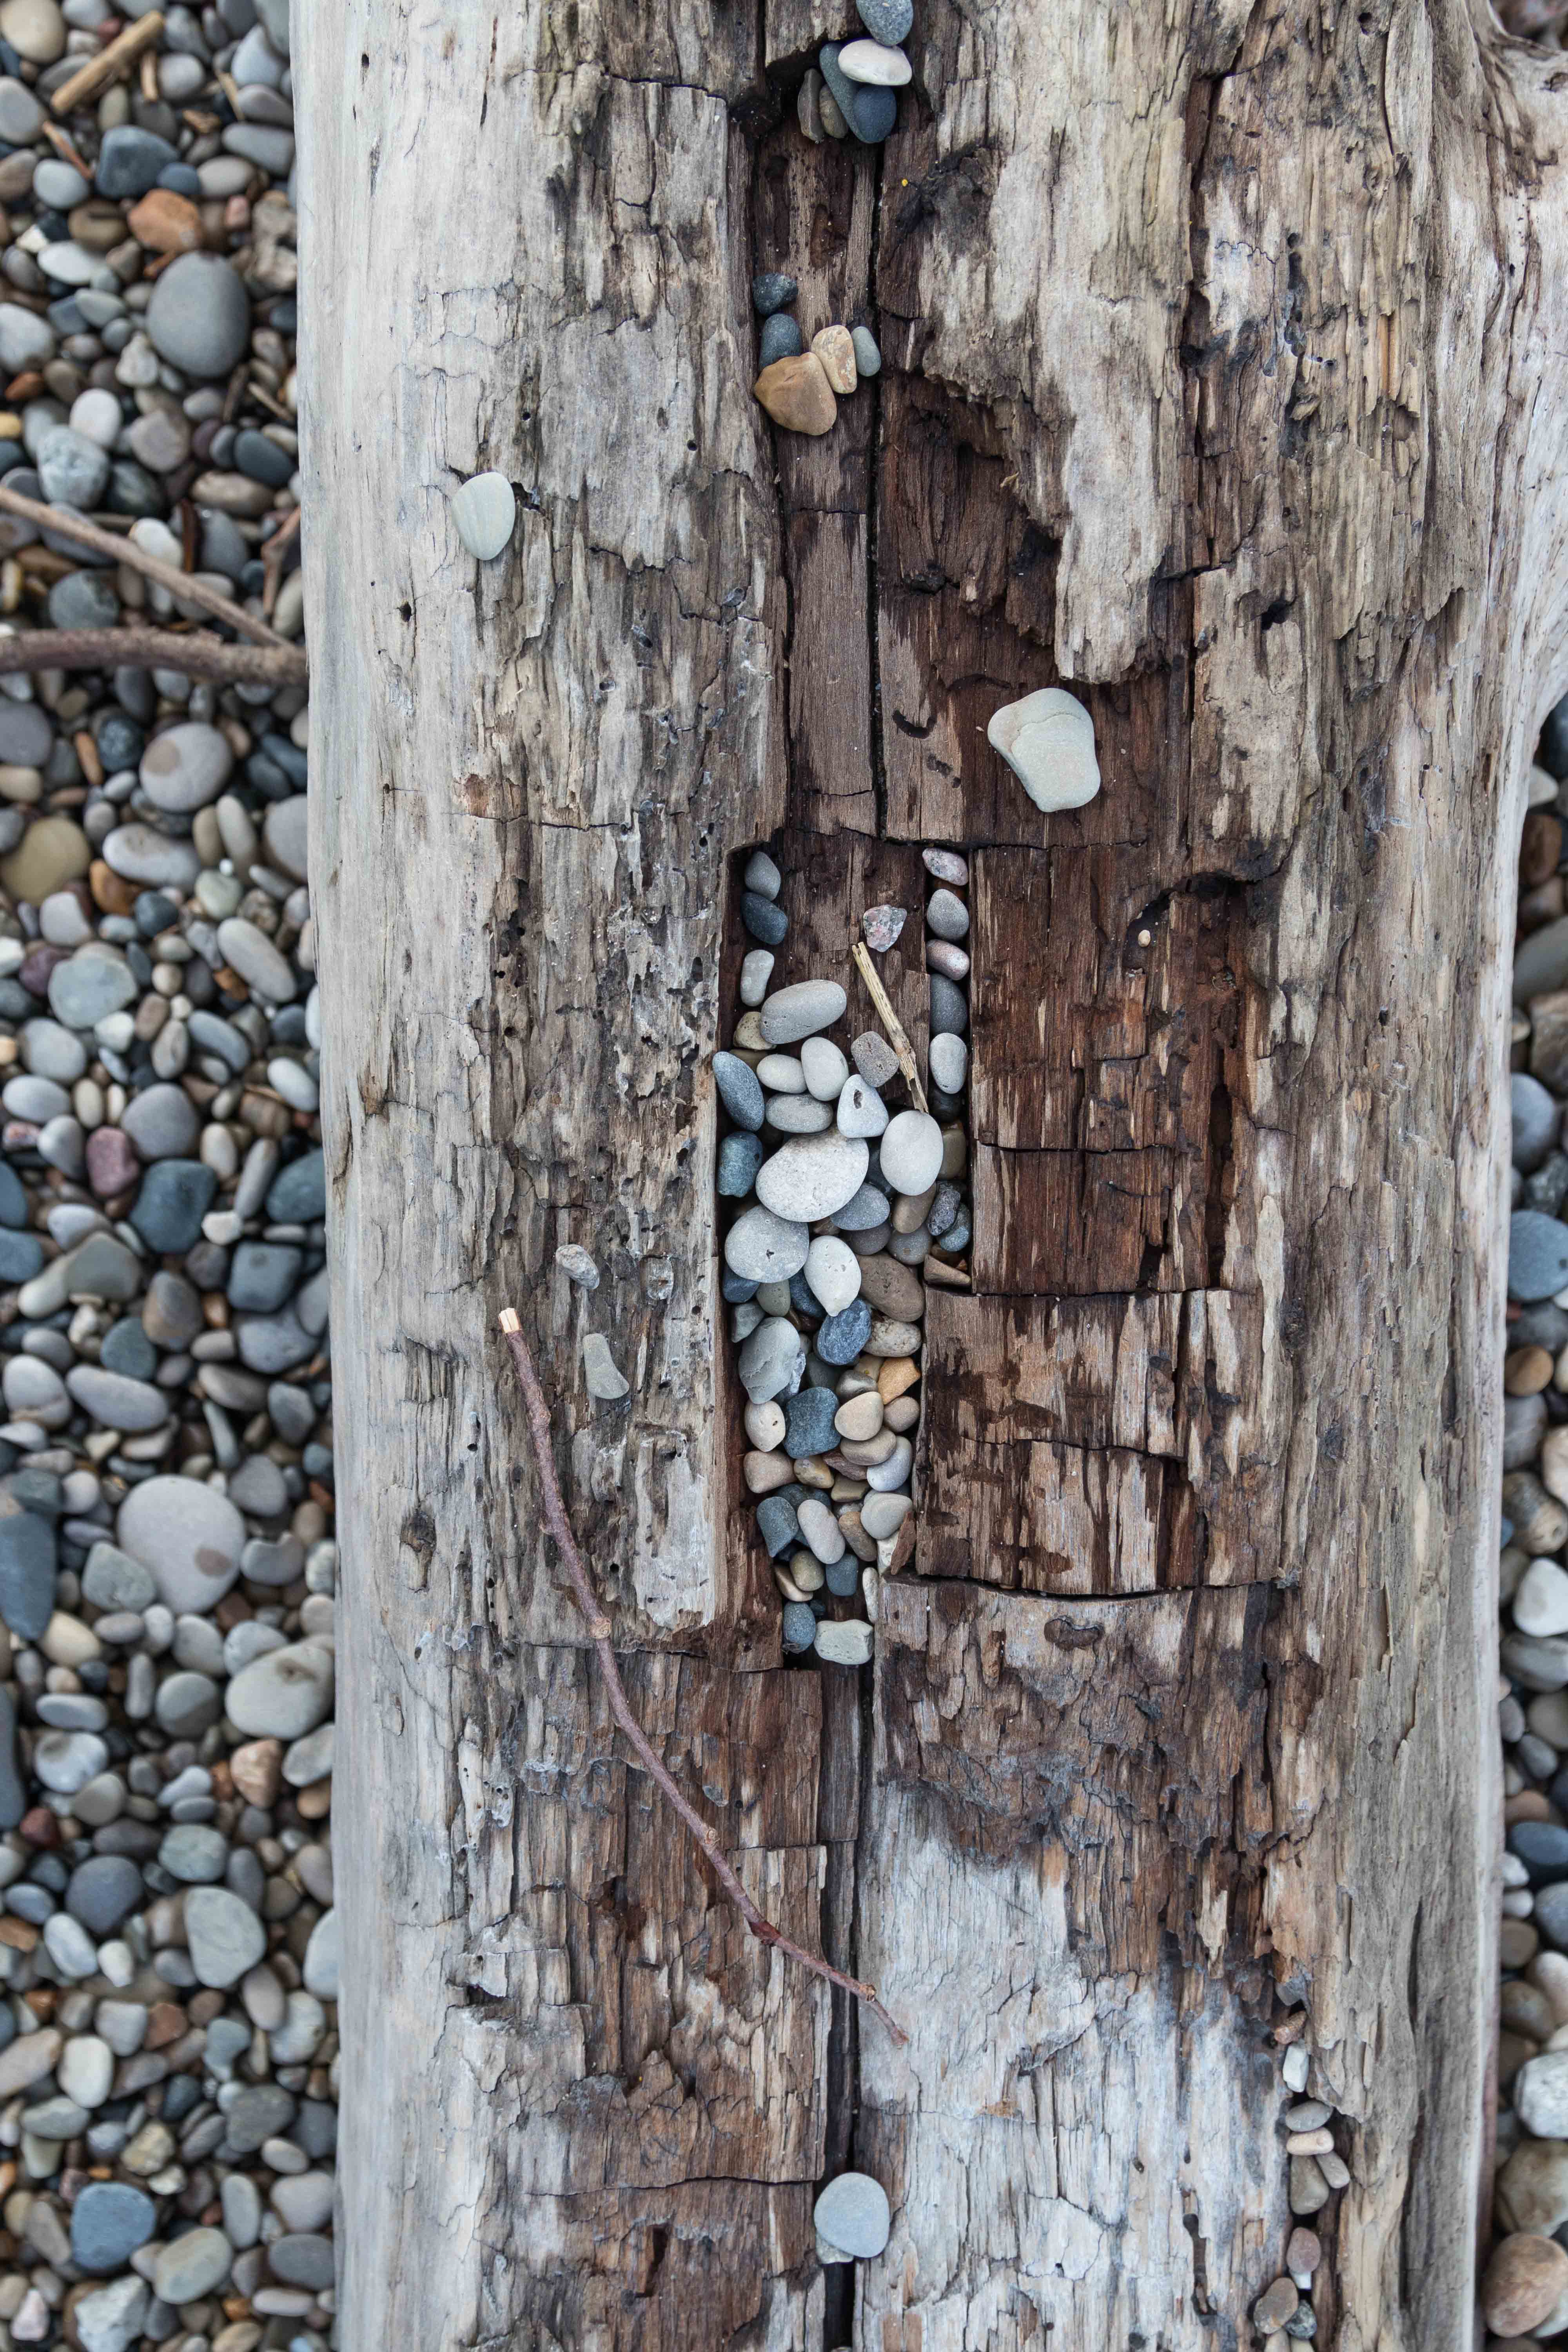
(1129, 1816)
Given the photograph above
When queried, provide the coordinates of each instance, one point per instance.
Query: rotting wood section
(1221, 355)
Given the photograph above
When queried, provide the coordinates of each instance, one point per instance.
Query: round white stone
(826, 1068)
(188, 1534)
(763, 1247)
(861, 1111)
(86, 2070)
(949, 1062)
(847, 1643)
(1047, 740)
(887, 1477)
(813, 1176)
(756, 970)
(1540, 1602)
(765, 1423)
(852, 2211)
(797, 1115)
(781, 1073)
(832, 1274)
(911, 1151)
(484, 510)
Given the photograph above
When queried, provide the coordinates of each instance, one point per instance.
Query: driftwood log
(1224, 379)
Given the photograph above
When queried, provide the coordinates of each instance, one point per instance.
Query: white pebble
(484, 510)
(833, 1272)
(1047, 740)
(756, 970)
(825, 1066)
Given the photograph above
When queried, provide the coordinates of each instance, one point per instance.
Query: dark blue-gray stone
(875, 113)
(799, 1626)
(740, 1091)
(262, 1275)
(127, 1349)
(1537, 1255)
(259, 2113)
(808, 1419)
(780, 339)
(843, 1336)
(948, 1007)
(103, 1892)
(175, 1195)
(740, 1156)
(36, 1490)
(1550, 1915)
(299, 1192)
(736, 1288)
(262, 459)
(109, 2220)
(130, 161)
(1535, 1117)
(844, 1577)
(887, 21)
(946, 1203)
(839, 84)
(777, 1524)
(13, 1199)
(34, 1903)
(1546, 1187)
(316, 2128)
(1542, 1847)
(1553, 752)
(21, 1255)
(302, 2258)
(26, 1570)
(13, 1796)
(764, 919)
(956, 1237)
(771, 290)
(83, 600)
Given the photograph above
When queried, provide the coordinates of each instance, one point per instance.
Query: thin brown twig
(897, 1035)
(600, 1631)
(184, 584)
(197, 655)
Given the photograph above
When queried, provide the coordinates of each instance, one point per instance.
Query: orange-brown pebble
(1519, 1940)
(1523, 2281)
(1527, 1370)
(167, 2021)
(110, 890)
(836, 352)
(163, 222)
(1529, 1805)
(797, 395)
(894, 1375)
(258, 1770)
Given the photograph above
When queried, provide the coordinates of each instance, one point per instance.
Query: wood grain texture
(1224, 382)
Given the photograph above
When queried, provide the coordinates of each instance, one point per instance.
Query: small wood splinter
(599, 1628)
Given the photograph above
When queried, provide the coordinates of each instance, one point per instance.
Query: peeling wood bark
(1223, 381)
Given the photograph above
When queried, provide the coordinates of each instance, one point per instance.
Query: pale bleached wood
(1223, 381)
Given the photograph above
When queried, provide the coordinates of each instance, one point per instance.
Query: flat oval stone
(27, 1558)
(949, 1062)
(821, 1530)
(1047, 740)
(799, 1626)
(109, 2221)
(852, 2211)
(772, 290)
(116, 1402)
(781, 1073)
(185, 767)
(887, 1477)
(874, 63)
(740, 1089)
(762, 917)
(911, 1152)
(824, 1068)
(943, 956)
(797, 1012)
(777, 1524)
(188, 1536)
(259, 963)
(484, 511)
(756, 970)
(844, 1642)
(764, 1247)
(780, 339)
(948, 1007)
(863, 1213)
(800, 1115)
(835, 349)
(797, 395)
(199, 316)
(867, 357)
(192, 2265)
(284, 1694)
(1537, 1255)
(891, 1288)
(816, 1176)
(947, 915)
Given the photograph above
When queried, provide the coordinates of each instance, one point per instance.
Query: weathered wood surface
(1224, 379)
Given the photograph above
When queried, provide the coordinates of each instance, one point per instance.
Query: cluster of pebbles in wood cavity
(1525, 2294)
(168, 1945)
(848, 1199)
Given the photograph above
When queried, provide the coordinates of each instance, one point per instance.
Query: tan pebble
(1532, 2188)
(806, 1572)
(860, 1416)
(892, 1289)
(1309, 2143)
(902, 1414)
(1309, 2191)
(1524, 2008)
(164, 222)
(911, 1210)
(765, 1426)
(1523, 2281)
(67, 1642)
(812, 1470)
(836, 352)
(890, 1336)
(846, 1489)
(748, 1037)
(1304, 2253)
(797, 395)
(899, 1373)
(805, 114)
(866, 1452)
(786, 1583)
(1526, 1372)
(765, 1473)
(1549, 1971)
(954, 1150)
(1276, 2304)
(863, 1545)
(1529, 1805)
(1519, 1940)
(52, 852)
